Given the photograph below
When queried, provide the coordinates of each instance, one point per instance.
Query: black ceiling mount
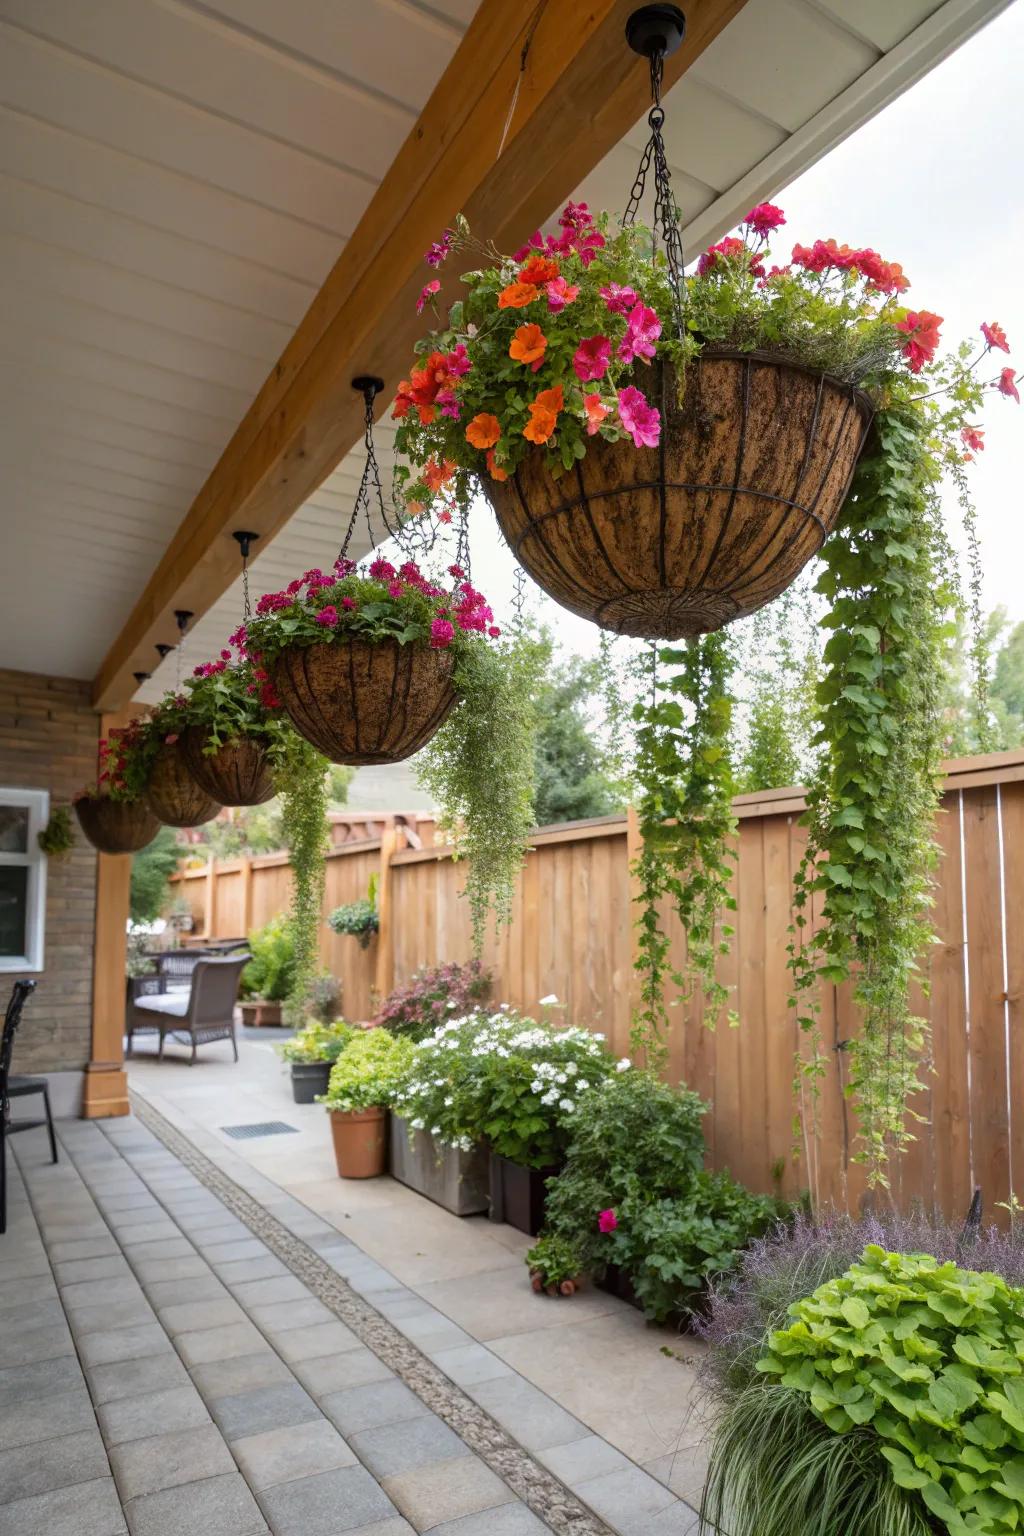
(656, 29)
(140, 677)
(182, 616)
(165, 650)
(244, 540)
(368, 384)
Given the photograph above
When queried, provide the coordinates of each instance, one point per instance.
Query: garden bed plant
(311, 1053)
(365, 1081)
(433, 996)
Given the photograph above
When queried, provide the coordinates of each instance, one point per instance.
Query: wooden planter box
(458, 1181)
(256, 1014)
(309, 1080)
(518, 1194)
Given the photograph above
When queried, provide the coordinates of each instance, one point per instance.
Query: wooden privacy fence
(572, 935)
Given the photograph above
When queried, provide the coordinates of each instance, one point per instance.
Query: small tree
(151, 871)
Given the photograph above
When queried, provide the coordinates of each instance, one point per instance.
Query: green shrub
(317, 1042)
(271, 971)
(359, 919)
(369, 1071)
(930, 1357)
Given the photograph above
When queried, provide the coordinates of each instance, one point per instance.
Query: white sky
(936, 182)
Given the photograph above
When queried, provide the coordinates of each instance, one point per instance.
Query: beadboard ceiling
(177, 177)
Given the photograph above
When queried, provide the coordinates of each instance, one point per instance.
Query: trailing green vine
(872, 802)
(685, 819)
(299, 779)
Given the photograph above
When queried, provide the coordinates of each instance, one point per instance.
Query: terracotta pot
(172, 793)
(753, 467)
(361, 703)
(237, 773)
(256, 1014)
(116, 826)
(360, 1142)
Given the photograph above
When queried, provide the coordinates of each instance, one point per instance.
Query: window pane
(13, 909)
(13, 828)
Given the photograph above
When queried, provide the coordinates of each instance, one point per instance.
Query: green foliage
(227, 703)
(369, 1071)
(685, 814)
(574, 778)
(872, 801)
(317, 1042)
(553, 1260)
(152, 868)
(673, 1248)
(504, 1079)
(479, 768)
(433, 996)
(359, 919)
(930, 1357)
(58, 837)
(270, 974)
(776, 1470)
(300, 781)
(779, 662)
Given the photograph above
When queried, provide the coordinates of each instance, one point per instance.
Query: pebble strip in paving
(250, 1371)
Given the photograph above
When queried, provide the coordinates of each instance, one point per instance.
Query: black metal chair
(17, 1087)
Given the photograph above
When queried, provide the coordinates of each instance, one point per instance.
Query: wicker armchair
(204, 1013)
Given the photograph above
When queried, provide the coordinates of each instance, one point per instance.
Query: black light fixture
(245, 540)
(164, 650)
(655, 29)
(140, 677)
(182, 617)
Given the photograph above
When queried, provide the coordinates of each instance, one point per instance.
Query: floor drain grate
(263, 1128)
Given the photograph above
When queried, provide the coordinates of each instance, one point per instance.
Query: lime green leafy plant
(369, 1072)
(317, 1043)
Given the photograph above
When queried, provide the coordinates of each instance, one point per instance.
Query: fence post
(210, 910)
(385, 976)
(246, 896)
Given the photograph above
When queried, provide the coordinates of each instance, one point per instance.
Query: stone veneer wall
(48, 735)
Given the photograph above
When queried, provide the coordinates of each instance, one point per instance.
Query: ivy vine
(874, 794)
(300, 780)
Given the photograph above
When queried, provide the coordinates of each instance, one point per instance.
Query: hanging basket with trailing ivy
(112, 813)
(172, 794)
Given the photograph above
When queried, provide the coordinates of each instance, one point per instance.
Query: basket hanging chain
(666, 213)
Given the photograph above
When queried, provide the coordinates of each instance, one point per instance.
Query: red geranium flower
(1007, 385)
(922, 331)
(995, 336)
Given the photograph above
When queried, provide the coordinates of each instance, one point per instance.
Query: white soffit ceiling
(177, 178)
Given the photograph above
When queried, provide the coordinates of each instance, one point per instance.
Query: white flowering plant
(501, 1077)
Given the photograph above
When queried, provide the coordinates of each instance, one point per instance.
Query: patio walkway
(186, 1343)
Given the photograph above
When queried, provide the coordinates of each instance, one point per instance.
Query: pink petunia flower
(995, 335)
(348, 602)
(458, 361)
(642, 331)
(494, 631)
(607, 1221)
(764, 218)
(641, 420)
(427, 293)
(618, 299)
(1007, 385)
(442, 633)
(591, 359)
(328, 616)
(381, 569)
(560, 293)
(596, 412)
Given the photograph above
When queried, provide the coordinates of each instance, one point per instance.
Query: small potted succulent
(268, 979)
(359, 919)
(363, 1084)
(113, 813)
(311, 1053)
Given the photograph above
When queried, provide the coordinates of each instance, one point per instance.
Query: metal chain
(666, 224)
(519, 598)
(409, 537)
(246, 600)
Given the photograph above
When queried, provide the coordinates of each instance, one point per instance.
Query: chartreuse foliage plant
(926, 1360)
(317, 1042)
(369, 1072)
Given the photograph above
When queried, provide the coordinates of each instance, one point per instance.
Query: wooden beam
(580, 91)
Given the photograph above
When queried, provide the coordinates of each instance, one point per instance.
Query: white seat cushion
(174, 1004)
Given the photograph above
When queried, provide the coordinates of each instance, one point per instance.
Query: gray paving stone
(23, 1268)
(217, 1506)
(509, 1520)
(44, 1418)
(98, 1318)
(124, 1344)
(470, 1363)
(252, 1269)
(205, 1344)
(250, 1413)
(300, 1450)
(627, 1500)
(131, 1232)
(131, 1378)
(337, 1373)
(282, 1316)
(385, 1402)
(40, 1312)
(583, 1459)
(57, 1463)
(446, 1490)
(110, 1267)
(190, 1317)
(155, 1413)
(120, 1205)
(41, 1288)
(167, 1293)
(167, 1461)
(200, 1216)
(321, 1339)
(43, 1378)
(162, 1248)
(283, 1288)
(84, 1509)
(325, 1505)
(234, 1249)
(189, 1267)
(394, 1527)
(111, 1293)
(529, 1415)
(678, 1520)
(86, 1248)
(228, 1378)
(391, 1449)
(29, 1346)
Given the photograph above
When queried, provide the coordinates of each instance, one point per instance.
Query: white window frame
(38, 803)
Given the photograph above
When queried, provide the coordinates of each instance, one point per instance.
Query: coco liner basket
(362, 702)
(172, 793)
(237, 773)
(753, 467)
(116, 826)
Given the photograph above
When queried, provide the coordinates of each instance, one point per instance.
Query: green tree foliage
(151, 870)
(778, 672)
(574, 779)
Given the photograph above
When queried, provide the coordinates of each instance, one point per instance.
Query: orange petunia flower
(528, 345)
(551, 399)
(538, 271)
(437, 475)
(483, 431)
(544, 414)
(495, 470)
(517, 295)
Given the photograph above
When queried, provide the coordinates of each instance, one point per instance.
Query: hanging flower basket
(172, 793)
(752, 468)
(116, 826)
(364, 701)
(236, 773)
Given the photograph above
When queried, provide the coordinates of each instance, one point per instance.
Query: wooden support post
(105, 1089)
(385, 976)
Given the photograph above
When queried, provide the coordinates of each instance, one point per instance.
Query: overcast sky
(936, 182)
